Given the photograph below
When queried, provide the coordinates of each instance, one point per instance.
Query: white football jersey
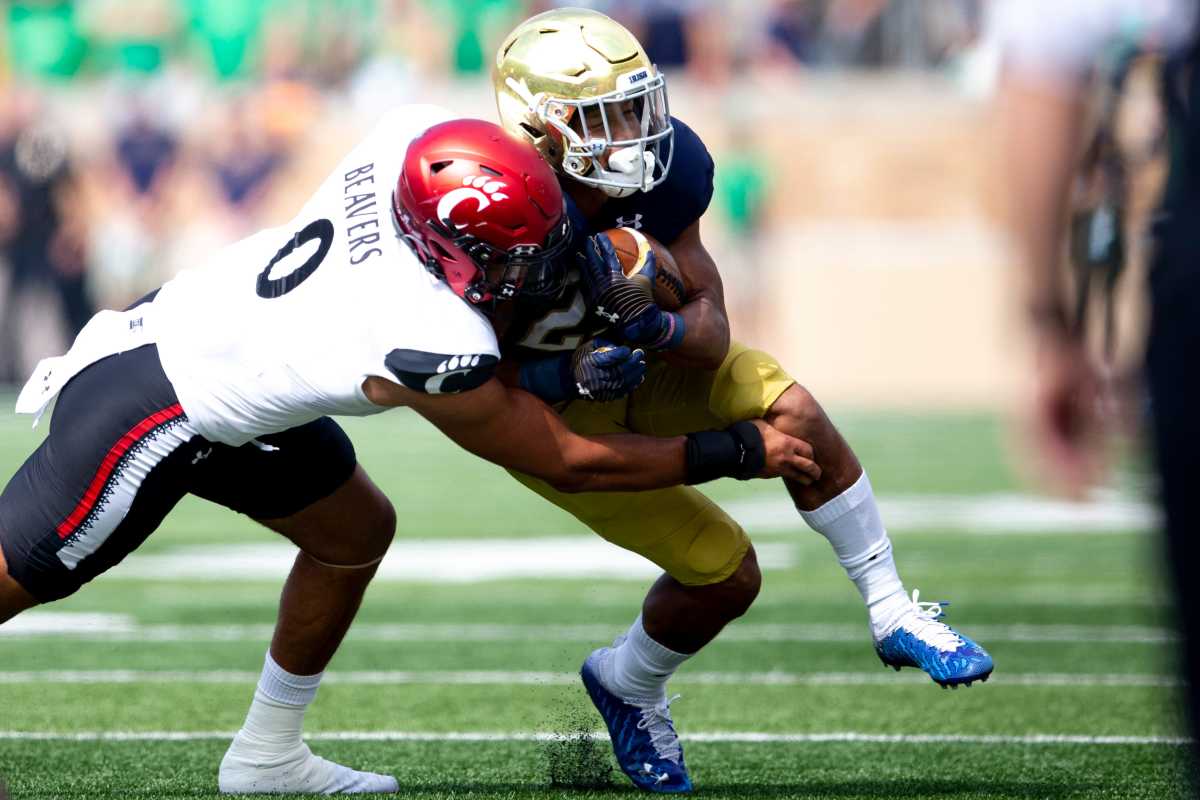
(283, 327)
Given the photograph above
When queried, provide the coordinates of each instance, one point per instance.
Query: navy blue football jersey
(541, 329)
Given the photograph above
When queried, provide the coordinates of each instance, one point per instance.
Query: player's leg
(13, 597)
(840, 506)
(305, 484)
(112, 466)
(342, 539)
(711, 578)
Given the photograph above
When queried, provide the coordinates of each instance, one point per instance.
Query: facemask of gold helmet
(580, 87)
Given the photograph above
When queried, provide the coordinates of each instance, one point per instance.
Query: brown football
(670, 290)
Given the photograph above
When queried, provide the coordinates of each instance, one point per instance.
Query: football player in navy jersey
(580, 87)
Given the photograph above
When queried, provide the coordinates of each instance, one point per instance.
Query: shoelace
(929, 628)
(656, 721)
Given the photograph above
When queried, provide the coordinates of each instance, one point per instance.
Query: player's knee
(746, 384)
(720, 554)
(380, 529)
(743, 585)
(797, 413)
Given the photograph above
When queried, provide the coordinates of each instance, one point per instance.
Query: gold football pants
(679, 529)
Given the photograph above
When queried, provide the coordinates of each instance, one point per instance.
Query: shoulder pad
(439, 373)
(670, 208)
(691, 174)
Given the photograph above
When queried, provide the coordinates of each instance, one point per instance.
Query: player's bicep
(697, 266)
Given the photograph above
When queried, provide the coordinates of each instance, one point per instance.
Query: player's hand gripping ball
(649, 265)
(627, 304)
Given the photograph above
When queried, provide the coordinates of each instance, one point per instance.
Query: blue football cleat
(643, 736)
(921, 640)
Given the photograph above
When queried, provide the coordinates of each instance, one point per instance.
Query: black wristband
(736, 452)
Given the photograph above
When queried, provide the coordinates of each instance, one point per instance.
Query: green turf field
(459, 688)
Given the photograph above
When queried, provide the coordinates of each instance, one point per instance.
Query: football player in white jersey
(221, 385)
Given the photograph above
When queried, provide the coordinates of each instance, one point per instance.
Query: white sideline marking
(711, 737)
(509, 678)
(1105, 512)
(435, 561)
(124, 628)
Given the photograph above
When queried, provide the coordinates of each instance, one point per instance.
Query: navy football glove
(605, 372)
(596, 370)
(620, 303)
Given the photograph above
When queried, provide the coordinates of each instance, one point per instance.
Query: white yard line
(425, 560)
(998, 514)
(719, 737)
(1105, 511)
(511, 678)
(124, 628)
(586, 556)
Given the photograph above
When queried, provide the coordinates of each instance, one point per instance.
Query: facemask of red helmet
(484, 213)
(527, 270)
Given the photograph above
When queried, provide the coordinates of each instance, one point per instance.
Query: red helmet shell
(475, 179)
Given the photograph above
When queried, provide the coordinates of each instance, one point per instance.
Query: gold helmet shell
(562, 80)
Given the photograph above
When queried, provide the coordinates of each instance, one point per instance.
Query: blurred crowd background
(138, 136)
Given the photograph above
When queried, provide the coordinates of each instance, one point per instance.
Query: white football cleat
(247, 768)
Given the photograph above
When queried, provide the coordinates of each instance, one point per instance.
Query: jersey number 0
(271, 288)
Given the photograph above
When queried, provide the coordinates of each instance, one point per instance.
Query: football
(670, 290)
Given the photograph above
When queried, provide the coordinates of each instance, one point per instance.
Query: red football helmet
(483, 211)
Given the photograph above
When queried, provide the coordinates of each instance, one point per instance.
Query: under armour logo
(635, 223)
(203, 454)
(609, 316)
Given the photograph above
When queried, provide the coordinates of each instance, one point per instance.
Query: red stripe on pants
(92, 495)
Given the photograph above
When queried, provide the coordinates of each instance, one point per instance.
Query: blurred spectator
(42, 241)
(131, 192)
(146, 152)
(792, 28)
(243, 160)
(851, 33)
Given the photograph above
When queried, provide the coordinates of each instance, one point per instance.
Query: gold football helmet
(578, 85)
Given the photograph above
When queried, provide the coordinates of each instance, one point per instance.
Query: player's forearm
(706, 342)
(1041, 142)
(620, 462)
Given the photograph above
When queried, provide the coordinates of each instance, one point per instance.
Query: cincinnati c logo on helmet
(483, 190)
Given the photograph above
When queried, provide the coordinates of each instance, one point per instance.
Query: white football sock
(268, 756)
(852, 524)
(637, 668)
